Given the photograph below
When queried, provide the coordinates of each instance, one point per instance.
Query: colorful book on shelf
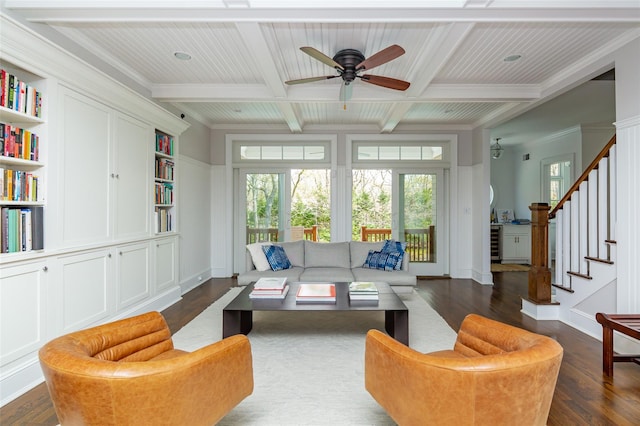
(316, 292)
(269, 294)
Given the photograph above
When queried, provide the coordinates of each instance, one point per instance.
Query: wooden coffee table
(237, 316)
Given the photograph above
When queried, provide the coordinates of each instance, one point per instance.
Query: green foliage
(311, 200)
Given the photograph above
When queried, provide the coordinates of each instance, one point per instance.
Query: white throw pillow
(259, 258)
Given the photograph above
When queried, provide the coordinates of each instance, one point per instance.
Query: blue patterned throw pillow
(276, 257)
(394, 261)
(382, 261)
(393, 246)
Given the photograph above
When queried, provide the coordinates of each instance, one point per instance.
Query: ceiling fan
(351, 63)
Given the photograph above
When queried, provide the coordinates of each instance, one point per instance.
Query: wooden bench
(628, 324)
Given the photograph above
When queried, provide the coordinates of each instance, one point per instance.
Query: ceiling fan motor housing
(349, 59)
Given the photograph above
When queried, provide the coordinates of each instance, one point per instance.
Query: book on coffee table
(363, 290)
(316, 292)
(269, 294)
(270, 283)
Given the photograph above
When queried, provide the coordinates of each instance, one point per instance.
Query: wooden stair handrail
(583, 177)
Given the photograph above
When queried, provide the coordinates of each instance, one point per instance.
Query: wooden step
(561, 287)
(579, 275)
(597, 259)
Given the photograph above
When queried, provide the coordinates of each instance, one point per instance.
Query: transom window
(254, 152)
(412, 152)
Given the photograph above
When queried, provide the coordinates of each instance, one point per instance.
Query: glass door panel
(371, 204)
(264, 208)
(419, 212)
(311, 204)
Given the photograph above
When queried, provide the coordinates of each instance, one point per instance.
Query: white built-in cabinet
(84, 291)
(103, 258)
(516, 244)
(165, 262)
(105, 173)
(133, 274)
(23, 321)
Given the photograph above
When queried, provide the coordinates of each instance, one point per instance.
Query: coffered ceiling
(242, 52)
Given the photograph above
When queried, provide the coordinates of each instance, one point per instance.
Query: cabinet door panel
(85, 158)
(165, 263)
(133, 274)
(133, 200)
(22, 304)
(86, 281)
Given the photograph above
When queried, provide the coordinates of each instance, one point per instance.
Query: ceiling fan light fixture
(497, 150)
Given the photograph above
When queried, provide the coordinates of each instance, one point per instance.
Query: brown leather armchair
(128, 373)
(496, 374)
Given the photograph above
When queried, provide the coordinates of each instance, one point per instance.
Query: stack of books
(316, 293)
(363, 290)
(270, 288)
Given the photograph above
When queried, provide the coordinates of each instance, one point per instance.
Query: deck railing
(420, 241)
(256, 235)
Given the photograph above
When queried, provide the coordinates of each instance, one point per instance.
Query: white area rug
(309, 366)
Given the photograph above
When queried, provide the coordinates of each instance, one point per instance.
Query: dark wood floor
(583, 395)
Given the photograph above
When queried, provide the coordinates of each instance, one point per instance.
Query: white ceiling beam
(326, 93)
(435, 55)
(256, 45)
(348, 12)
(395, 116)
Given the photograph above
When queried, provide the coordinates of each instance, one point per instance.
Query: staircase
(583, 267)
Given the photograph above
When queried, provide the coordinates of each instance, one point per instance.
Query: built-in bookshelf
(164, 183)
(21, 166)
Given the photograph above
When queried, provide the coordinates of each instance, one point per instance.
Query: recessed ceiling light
(183, 56)
(512, 58)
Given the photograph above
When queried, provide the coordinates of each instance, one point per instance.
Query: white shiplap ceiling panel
(217, 51)
(546, 49)
(241, 56)
(342, 113)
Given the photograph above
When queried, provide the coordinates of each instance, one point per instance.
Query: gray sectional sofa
(323, 262)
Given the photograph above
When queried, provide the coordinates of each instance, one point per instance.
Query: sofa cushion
(397, 278)
(327, 275)
(258, 257)
(277, 257)
(359, 251)
(294, 251)
(331, 255)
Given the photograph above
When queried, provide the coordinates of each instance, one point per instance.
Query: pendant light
(497, 150)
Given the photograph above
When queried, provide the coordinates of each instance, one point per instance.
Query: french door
(406, 205)
(281, 205)
(264, 206)
(418, 219)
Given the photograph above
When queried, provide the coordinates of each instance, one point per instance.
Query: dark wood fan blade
(388, 82)
(310, 79)
(382, 57)
(316, 54)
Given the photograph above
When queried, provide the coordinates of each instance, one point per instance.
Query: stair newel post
(540, 274)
